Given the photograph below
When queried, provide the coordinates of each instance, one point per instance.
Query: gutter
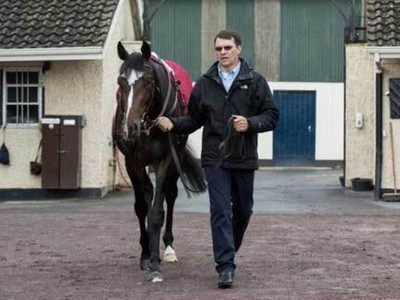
(51, 54)
(385, 51)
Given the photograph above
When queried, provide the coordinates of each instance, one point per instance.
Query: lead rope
(222, 147)
(179, 167)
(166, 101)
(171, 145)
(118, 187)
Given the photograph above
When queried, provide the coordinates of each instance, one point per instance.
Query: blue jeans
(231, 206)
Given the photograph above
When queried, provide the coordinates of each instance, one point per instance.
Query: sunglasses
(226, 48)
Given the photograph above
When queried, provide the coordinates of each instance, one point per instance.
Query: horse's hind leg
(171, 192)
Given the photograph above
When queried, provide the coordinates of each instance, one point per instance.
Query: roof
(383, 22)
(55, 23)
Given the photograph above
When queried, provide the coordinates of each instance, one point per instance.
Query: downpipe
(379, 128)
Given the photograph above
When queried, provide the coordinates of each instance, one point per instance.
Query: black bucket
(362, 184)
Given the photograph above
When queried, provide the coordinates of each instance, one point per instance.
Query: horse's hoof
(144, 264)
(170, 255)
(155, 276)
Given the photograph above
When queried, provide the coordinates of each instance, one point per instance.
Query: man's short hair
(227, 35)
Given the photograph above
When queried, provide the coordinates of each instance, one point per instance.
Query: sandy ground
(88, 249)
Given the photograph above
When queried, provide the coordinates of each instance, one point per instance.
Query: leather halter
(149, 124)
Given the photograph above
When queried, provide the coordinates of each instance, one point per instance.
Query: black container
(341, 180)
(362, 184)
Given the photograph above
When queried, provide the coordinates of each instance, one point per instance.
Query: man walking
(233, 103)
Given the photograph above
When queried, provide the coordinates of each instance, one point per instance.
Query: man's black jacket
(212, 107)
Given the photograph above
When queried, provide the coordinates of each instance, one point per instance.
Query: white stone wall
(74, 88)
(360, 93)
(121, 30)
(22, 145)
(360, 98)
(267, 42)
(213, 21)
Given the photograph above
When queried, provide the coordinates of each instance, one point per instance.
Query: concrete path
(286, 190)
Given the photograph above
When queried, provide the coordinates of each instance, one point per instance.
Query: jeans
(231, 206)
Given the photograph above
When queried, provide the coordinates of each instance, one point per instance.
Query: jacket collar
(245, 72)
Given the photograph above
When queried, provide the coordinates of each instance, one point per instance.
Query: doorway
(294, 139)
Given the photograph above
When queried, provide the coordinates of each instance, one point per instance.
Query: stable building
(58, 79)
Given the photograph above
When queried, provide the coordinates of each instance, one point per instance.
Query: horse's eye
(126, 74)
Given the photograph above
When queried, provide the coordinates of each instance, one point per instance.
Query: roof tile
(383, 22)
(54, 23)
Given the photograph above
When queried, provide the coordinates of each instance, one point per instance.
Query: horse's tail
(194, 179)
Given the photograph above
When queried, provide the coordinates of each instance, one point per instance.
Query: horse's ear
(122, 53)
(146, 51)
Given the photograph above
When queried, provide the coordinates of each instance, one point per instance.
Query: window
(394, 88)
(22, 96)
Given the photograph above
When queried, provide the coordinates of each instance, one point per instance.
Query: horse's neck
(164, 82)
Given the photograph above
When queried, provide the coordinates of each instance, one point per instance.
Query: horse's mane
(134, 61)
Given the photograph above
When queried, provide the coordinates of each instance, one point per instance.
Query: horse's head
(137, 86)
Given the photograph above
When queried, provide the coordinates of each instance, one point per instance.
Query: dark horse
(147, 90)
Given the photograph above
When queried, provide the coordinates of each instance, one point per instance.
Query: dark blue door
(294, 139)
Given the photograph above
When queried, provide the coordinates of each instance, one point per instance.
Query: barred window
(22, 95)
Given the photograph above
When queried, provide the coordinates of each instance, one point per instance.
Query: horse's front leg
(171, 192)
(155, 221)
(141, 209)
(143, 189)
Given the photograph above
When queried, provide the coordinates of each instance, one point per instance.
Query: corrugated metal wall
(240, 17)
(312, 40)
(294, 40)
(176, 33)
(177, 30)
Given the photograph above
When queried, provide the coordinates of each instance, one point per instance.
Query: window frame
(5, 101)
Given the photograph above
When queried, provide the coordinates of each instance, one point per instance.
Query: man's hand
(164, 123)
(240, 123)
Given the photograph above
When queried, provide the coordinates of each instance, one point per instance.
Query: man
(233, 103)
